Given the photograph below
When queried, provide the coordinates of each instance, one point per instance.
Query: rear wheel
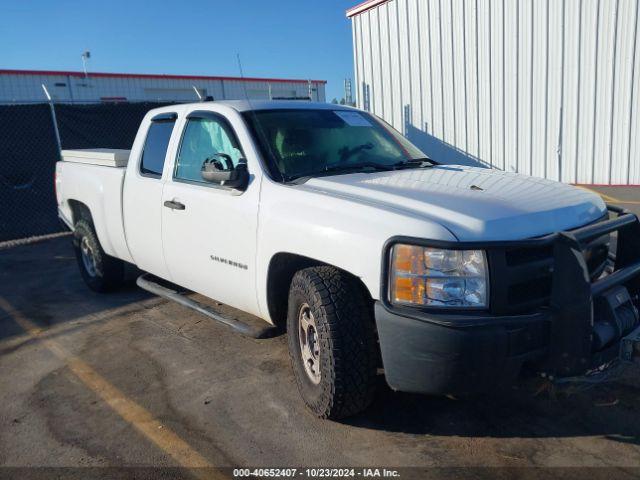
(101, 272)
(331, 342)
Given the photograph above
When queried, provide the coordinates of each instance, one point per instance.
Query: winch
(615, 316)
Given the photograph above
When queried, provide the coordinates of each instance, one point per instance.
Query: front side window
(307, 142)
(203, 138)
(155, 147)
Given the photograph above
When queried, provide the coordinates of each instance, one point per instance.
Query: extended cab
(325, 220)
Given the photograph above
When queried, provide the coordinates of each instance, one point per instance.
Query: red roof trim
(364, 6)
(152, 75)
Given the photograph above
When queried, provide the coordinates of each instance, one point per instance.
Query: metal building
(26, 86)
(544, 87)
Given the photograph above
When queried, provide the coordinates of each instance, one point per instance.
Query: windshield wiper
(338, 168)
(378, 167)
(415, 163)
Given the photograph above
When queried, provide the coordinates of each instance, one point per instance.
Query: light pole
(86, 55)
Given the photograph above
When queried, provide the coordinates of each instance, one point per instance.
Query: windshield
(306, 142)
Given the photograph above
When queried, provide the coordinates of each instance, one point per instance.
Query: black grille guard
(572, 293)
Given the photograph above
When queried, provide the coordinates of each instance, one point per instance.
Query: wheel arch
(282, 267)
(80, 211)
(108, 228)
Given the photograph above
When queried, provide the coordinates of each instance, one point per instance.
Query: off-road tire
(343, 314)
(109, 271)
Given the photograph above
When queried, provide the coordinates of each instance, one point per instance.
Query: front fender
(339, 231)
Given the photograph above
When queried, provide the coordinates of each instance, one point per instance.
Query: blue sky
(275, 38)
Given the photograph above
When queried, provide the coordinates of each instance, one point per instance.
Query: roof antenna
(244, 86)
(256, 120)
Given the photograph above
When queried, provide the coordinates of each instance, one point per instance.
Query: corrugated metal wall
(544, 87)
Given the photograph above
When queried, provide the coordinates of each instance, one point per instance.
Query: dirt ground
(128, 379)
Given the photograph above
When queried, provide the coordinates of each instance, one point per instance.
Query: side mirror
(219, 169)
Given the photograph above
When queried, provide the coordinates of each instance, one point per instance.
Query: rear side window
(155, 146)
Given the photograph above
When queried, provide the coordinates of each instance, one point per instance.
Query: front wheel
(101, 272)
(331, 342)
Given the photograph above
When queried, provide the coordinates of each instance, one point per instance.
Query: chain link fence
(29, 153)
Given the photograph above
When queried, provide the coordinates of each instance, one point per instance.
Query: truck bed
(95, 178)
(106, 157)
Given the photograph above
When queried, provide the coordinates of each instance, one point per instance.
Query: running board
(146, 282)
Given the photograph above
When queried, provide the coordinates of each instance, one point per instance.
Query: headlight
(438, 278)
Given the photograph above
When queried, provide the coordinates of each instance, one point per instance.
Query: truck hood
(472, 203)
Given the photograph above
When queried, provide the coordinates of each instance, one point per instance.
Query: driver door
(208, 230)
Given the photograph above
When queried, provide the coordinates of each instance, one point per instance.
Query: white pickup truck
(324, 220)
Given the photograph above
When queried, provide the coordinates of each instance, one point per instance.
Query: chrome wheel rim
(88, 257)
(309, 343)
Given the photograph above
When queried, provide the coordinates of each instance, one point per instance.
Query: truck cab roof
(249, 105)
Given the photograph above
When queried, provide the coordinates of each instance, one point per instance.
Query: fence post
(198, 94)
(55, 121)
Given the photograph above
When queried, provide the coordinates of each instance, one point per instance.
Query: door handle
(173, 205)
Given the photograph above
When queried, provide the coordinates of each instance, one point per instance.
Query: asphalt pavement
(128, 379)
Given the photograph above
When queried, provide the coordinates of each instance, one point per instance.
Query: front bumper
(422, 355)
(428, 352)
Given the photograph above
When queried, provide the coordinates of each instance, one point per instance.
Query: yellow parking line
(132, 413)
(609, 198)
(604, 197)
